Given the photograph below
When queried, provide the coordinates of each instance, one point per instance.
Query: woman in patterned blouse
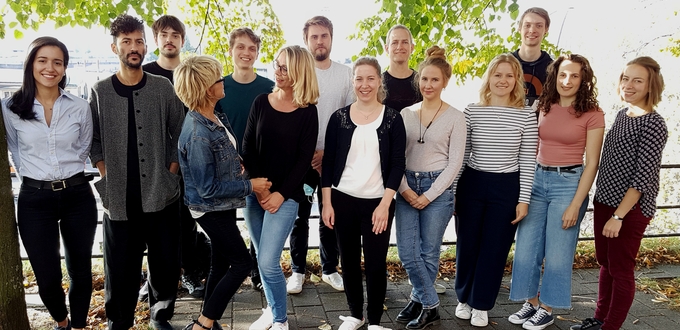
(627, 186)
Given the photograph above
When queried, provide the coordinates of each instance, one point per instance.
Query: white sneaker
(295, 283)
(280, 326)
(377, 327)
(479, 318)
(265, 320)
(463, 311)
(335, 280)
(439, 288)
(350, 323)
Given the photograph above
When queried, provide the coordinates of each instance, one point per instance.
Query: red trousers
(616, 257)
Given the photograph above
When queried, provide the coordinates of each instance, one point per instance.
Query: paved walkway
(319, 304)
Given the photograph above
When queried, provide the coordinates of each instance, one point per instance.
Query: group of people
(178, 143)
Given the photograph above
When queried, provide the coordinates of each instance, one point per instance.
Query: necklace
(362, 114)
(422, 134)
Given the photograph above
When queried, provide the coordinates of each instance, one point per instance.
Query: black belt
(567, 169)
(57, 185)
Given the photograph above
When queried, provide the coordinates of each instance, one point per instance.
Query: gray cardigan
(159, 117)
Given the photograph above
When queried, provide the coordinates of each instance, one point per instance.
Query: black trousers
(188, 236)
(485, 205)
(42, 215)
(124, 245)
(299, 237)
(230, 261)
(353, 226)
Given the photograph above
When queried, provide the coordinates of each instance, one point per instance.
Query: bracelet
(616, 217)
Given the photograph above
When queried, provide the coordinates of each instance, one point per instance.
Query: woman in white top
(494, 189)
(49, 133)
(363, 165)
(435, 145)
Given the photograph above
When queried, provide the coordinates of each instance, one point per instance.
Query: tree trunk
(12, 301)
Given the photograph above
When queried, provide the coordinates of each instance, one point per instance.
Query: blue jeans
(268, 245)
(420, 234)
(540, 236)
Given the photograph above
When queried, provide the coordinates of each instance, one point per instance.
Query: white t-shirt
(362, 176)
(335, 92)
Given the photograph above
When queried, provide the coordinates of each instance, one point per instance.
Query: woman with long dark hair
(626, 189)
(49, 134)
(363, 165)
(570, 123)
(279, 144)
(494, 189)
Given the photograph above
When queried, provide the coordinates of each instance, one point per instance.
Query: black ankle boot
(426, 317)
(410, 312)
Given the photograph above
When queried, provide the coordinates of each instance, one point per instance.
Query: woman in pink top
(570, 122)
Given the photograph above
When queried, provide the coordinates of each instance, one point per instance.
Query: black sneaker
(257, 282)
(67, 327)
(541, 320)
(528, 310)
(590, 323)
(194, 285)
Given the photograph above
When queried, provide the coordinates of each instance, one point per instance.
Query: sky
(608, 33)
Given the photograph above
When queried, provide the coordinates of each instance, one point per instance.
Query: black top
(156, 69)
(535, 74)
(279, 146)
(401, 92)
(391, 143)
(134, 186)
(631, 158)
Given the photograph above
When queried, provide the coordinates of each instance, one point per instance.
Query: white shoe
(479, 318)
(295, 283)
(265, 320)
(377, 327)
(335, 280)
(439, 288)
(350, 323)
(280, 326)
(463, 311)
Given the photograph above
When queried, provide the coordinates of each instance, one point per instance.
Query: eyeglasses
(283, 68)
(219, 81)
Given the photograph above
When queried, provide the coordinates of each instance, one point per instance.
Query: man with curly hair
(137, 120)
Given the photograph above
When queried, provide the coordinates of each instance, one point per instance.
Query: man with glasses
(335, 92)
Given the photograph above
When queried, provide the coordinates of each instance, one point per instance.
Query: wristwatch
(617, 217)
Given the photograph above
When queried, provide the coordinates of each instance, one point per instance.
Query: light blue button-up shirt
(54, 152)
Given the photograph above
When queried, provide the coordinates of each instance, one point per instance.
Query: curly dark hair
(586, 97)
(126, 24)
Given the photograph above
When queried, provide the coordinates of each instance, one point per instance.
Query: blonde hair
(656, 84)
(300, 64)
(435, 56)
(373, 62)
(193, 77)
(517, 95)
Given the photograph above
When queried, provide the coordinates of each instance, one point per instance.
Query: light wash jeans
(268, 233)
(540, 236)
(419, 236)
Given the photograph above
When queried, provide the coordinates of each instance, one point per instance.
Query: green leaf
(70, 4)
(18, 34)
(13, 24)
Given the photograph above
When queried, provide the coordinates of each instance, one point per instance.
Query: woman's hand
(570, 216)
(328, 215)
(379, 218)
(272, 202)
(260, 185)
(612, 228)
(521, 211)
(410, 196)
(420, 203)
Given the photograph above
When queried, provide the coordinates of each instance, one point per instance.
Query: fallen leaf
(325, 326)
(314, 278)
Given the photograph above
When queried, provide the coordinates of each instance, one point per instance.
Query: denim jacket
(211, 167)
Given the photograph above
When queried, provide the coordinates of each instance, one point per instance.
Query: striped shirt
(502, 140)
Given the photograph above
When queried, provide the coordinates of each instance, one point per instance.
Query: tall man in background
(533, 26)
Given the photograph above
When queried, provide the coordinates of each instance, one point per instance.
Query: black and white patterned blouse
(631, 158)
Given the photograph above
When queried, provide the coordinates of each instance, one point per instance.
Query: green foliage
(30, 14)
(217, 18)
(674, 48)
(451, 24)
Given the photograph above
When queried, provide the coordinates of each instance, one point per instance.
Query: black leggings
(42, 215)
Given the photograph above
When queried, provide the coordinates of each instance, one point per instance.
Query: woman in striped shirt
(494, 189)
